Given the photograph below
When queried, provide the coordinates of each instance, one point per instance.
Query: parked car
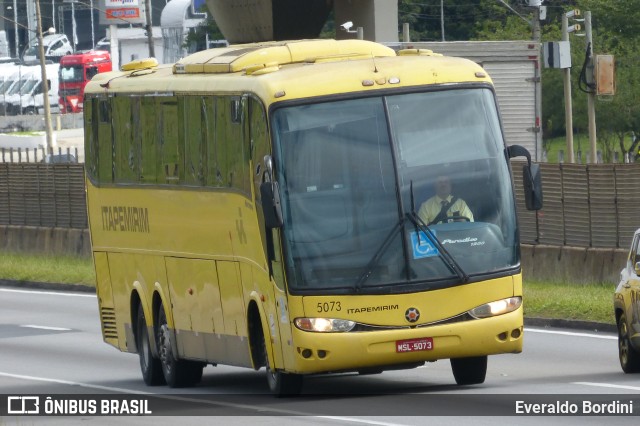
(627, 310)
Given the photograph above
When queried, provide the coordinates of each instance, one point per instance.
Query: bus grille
(458, 318)
(108, 317)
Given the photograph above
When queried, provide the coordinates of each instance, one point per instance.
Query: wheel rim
(623, 342)
(145, 347)
(164, 344)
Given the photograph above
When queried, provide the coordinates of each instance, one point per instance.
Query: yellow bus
(259, 206)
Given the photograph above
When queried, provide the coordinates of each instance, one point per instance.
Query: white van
(10, 89)
(29, 99)
(55, 47)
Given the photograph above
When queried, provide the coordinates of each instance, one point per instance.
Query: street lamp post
(566, 78)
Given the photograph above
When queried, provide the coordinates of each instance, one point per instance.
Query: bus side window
(105, 142)
(91, 137)
(170, 145)
(234, 156)
(259, 143)
(149, 130)
(126, 153)
(192, 128)
(210, 117)
(223, 121)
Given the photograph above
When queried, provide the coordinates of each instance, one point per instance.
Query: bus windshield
(357, 177)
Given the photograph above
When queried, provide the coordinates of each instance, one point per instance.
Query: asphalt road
(50, 344)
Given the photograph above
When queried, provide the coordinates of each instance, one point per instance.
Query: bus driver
(444, 207)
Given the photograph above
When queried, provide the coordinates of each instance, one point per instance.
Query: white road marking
(54, 293)
(260, 409)
(570, 333)
(70, 383)
(608, 385)
(44, 327)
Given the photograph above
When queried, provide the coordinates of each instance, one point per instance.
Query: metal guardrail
(46, 195)
(36, 155)
(595, 205)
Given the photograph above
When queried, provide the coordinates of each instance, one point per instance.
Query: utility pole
(566, 79)
(537, 38)
(15, 28)
(45, 83)
(591, 107)
(147, 9)
(442, 18)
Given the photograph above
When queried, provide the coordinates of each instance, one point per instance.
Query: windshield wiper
(378, 254)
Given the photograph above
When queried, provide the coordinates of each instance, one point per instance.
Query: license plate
(414, 345)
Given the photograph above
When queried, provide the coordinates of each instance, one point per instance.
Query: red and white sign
(120, 3)
(123, 13)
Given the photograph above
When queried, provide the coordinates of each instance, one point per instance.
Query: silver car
(626, 304)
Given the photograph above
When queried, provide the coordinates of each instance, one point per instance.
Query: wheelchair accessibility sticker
(422, 247)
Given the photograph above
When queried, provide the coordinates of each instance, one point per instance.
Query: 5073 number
(329, 307)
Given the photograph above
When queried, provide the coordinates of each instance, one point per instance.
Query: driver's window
(91, 72)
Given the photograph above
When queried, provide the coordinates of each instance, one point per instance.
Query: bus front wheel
(469, 371)
(150, 366)
(177, 372)
(280, 383)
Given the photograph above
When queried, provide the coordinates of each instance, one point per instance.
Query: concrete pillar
(243, 21)
(378, 18)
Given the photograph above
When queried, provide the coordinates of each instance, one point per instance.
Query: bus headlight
(324, 325)
(498, 307)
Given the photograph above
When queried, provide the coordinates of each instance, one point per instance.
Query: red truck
(75, 72)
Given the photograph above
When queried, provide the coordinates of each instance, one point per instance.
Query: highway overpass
(244, 21)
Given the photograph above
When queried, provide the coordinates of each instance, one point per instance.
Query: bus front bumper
(352, 351)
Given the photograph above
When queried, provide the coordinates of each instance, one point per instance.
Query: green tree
(196, 39)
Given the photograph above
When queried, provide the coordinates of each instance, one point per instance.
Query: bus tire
(150, 365)
(469, 371)
(177, 372)
(629, 357)
(280, 383)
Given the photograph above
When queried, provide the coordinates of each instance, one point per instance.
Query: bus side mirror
(270, 195)
(532, 186)
(531, 178)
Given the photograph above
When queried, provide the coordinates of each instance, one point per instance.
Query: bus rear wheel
(280, 383)
(150, 366)
(469, 371)
(177, 372)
